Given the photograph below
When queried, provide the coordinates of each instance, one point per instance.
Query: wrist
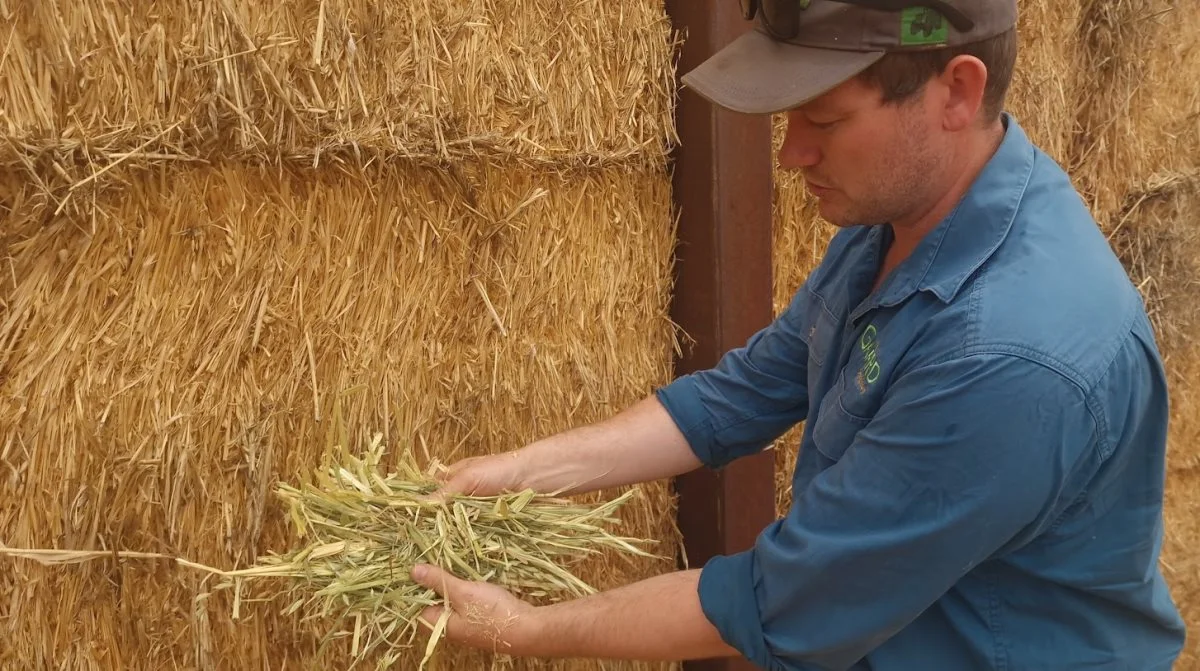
(521, 474)
(528, 638)
(542, 467)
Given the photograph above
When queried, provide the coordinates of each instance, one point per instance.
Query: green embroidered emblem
(921, 26)
(868, 344)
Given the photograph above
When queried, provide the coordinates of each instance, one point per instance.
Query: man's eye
(823, 125)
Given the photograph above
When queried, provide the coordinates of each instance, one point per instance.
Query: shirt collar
(972, 232)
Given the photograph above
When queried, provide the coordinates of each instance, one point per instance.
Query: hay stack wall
(1108, 90)
(229, 228)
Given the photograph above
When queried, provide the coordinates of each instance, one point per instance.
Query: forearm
(639, 444)
(655, 619)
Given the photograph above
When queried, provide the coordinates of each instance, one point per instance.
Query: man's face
(865, 162)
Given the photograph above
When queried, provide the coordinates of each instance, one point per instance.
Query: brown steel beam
(723, 189)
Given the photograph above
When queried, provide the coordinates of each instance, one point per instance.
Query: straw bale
(1138, 104)
(1180, 563)
(1157, 239)
(169, 358)
(1042, 95)
(89, 82)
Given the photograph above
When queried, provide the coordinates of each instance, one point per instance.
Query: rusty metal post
(723, 188)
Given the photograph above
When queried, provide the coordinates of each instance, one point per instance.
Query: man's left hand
(482, 615)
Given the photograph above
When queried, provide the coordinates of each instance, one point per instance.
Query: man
(980, 478)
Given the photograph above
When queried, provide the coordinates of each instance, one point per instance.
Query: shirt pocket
(819, 329)
(835, 428)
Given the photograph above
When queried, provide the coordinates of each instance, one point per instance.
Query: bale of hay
(358, 532)
(1043, 91)
(166, 360)
(223, 219)
(1138, 106)
(538, 80)
(1180, 564)
(1157, 239)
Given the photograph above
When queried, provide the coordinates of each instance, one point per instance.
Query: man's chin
(840, 216)
(833, 215)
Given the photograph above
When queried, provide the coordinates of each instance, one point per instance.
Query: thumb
(443, 582)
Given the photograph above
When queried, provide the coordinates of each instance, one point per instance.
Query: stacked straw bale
(545, 82)
(1043, 95)
(228, 227)
(1137, 98)
(1108, 90)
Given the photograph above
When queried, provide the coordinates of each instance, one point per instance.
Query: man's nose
(799, 148)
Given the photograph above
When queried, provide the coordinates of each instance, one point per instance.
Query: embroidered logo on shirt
(869, 372)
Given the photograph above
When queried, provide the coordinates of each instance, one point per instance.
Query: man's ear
(965, 79)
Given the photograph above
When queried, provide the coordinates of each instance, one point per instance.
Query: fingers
(443, 582)
(446, 586)
(440, 495)
(457, 479)
(476, 614)
(450, 482)
(454, 470)
(443, 493)
(430, 616)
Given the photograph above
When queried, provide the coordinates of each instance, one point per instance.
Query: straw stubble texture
(1180, 563)
(539, 81)
(1138, 105)
(1044, 89)
(1136, 157)
(164, 364)
(222, 219)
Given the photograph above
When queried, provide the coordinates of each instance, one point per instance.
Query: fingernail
(419, 571)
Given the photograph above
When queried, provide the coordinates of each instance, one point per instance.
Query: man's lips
(817, 189)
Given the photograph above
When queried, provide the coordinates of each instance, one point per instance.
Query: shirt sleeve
(963, 459)
(752, 396)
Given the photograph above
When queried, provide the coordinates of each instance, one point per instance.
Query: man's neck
(962, 171)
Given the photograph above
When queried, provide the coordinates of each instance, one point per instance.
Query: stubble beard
(898, 186)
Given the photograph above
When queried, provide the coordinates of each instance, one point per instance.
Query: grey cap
(759, 73)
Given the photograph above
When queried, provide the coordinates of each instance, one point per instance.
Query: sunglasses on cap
(782, 20)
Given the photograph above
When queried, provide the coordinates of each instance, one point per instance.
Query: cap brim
(759, 75)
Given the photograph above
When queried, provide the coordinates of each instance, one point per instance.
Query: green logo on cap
(921, 26)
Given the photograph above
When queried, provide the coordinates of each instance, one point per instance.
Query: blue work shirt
(980, 478)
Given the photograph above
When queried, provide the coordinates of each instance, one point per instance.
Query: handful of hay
(364, 531)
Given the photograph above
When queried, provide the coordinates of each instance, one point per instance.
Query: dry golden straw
(363, 531)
